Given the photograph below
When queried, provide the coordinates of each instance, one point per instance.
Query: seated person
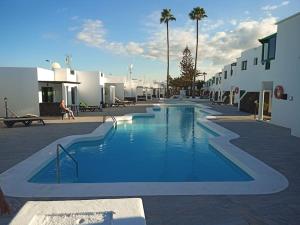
(4, 207)
(69, 111)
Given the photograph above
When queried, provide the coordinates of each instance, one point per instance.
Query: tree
(187, 67)
(167, 16)
(197, 14)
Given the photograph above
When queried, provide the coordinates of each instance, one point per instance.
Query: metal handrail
(113, 118)
(59, 146)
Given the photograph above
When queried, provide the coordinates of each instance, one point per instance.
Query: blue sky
(108, 35)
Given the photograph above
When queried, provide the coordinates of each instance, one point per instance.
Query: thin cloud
(92, 33)
(74, 18)
(215, 49)
(274, 7)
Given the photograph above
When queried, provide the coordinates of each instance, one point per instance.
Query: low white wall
(45, 74)
(20, 86)
(89, 89)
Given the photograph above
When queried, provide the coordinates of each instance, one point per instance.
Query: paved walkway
(269, 143)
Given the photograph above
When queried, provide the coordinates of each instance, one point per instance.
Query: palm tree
(197, 14)
(167, 16)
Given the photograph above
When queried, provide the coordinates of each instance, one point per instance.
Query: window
(231, 70)
(220, 80)
(268, 47)
(225, 74)
(72, 72)
(47, 94)
(255, 61)
(73, 94)
(265, 51)
(272, 48)
(213, 81)
(244, 65)
(217, 81)
(267, 65)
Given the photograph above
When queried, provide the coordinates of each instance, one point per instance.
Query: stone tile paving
(272, 144)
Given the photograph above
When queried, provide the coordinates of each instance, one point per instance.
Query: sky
(109, 35)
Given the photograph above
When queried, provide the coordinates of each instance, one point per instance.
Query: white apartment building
(37, 90)
(260, 72)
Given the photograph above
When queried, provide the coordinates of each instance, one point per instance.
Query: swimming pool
(172, 149)
(168, 147)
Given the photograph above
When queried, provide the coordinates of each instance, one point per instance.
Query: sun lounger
(122, 102)
(213, 102)
(88, 108)
(92, 108)
(26, 120)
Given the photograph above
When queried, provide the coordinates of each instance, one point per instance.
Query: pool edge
(266, 179)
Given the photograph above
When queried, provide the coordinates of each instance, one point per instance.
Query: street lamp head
(5, 99)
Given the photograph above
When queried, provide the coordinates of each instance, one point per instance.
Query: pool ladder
(113, 119)
(58, 172)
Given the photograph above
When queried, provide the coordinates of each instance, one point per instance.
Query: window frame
(46, 97)
(266, 46)
(244, 65)
(255, 61)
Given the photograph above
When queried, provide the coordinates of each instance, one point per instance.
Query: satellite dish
(55, 65)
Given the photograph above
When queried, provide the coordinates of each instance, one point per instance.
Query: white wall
(119, 83)
(119, 89)
(20, 86)
(67, 93)
(286, 72)
(45, 74)
(64, 74)
(89, 89)
(252, 78)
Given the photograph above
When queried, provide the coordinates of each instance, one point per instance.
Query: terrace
(269, 143)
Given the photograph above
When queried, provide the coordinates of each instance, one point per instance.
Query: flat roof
(266, 38)
(58, 82)
(292, 16)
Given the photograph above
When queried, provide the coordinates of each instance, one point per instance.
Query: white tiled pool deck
(266, 180)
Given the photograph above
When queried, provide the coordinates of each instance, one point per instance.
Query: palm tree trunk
(196, 56)
(168, 60)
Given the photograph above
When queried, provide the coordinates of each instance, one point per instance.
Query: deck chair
(123, 102)
(26, 120)
(83, 107)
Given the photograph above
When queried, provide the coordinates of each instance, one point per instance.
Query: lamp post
(5, 102)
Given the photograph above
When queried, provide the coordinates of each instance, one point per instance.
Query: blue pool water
(169, 147)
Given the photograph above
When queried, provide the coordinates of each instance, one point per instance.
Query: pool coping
(14, 181)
